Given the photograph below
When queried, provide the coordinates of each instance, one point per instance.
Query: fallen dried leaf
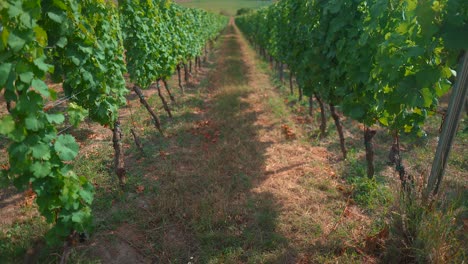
(140, 188)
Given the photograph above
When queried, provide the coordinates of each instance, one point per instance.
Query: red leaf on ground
(140, 188)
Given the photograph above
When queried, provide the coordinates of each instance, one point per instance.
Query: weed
(369, 193)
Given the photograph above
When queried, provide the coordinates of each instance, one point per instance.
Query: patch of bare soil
(10, 204)
(123, 245)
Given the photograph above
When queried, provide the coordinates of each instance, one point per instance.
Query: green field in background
(228, 7)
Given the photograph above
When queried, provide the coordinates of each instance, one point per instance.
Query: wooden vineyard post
(449, 129)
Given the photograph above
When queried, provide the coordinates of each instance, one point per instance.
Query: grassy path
(225, 185)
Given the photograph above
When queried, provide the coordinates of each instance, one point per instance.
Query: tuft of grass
(277, 107)
(369, 193)
(18, 238)
(372, 194)
(422, 234)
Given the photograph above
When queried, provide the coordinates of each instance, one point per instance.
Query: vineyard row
(88, 46)
(381, 62)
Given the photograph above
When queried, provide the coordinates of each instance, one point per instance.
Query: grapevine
(38, 155)
(81, 43)
(380, 62)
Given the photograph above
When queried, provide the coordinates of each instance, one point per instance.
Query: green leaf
(86, 195)
(15, 42)
(76, 114)
(41, 64)
(26, 77)
(19, 134)
(62, 42)
(7, 125)
(26, 20)
(442, 88)
(41, 35)
(87, 76)
(66, 147)
(15, 10)
(41, 151)
(79, 217)
(427, 97)
(32, 123)
(5, 69)
(60, 4)
(76, 61)
(41, 87)
(4, 39)
(56, 17)
(41, 169)
(384, 121)
(55, 118)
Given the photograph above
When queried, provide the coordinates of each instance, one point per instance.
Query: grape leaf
(5, 69)
(66, 147)
(41, 151)
(7, 125)
(55, 118)
(41, 169)
(15, 42)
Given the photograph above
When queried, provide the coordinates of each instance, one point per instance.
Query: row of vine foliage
(80, 43)
(381, 62)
